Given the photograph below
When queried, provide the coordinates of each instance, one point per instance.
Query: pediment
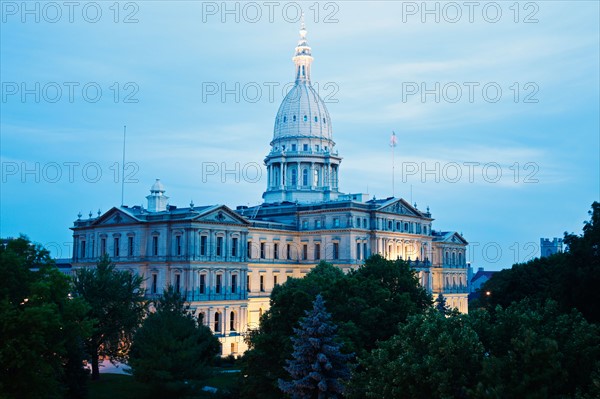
(221, 214)
(453, 238)
(400, 207)
(115, 216)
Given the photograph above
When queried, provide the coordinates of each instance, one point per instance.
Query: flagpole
(393, 171)
(123, 167)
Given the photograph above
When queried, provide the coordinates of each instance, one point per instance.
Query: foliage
(432, 356)
(171, 351)
(318, 368)
(440, 304)
(366, 304)
(42, 328)
(571, 278)
(117, 305)
(525, 351)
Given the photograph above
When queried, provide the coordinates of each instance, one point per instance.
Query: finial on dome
(302, 26)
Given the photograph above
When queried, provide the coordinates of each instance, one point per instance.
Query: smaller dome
(157, 187)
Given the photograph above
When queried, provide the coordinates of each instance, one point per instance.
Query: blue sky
(514, 158)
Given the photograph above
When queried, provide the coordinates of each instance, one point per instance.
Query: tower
(302, 165)
(157, 200)
(548, 247)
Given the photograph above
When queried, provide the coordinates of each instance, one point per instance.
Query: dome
(302, 114)
(157, 187)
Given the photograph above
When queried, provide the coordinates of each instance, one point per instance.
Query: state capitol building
(226, 262)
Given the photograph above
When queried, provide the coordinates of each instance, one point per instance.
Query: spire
(302, 58)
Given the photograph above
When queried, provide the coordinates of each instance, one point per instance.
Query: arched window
(232, 321)
(294, 175)
(305, 118)
(453, 258)
(305, 177)
(217, 322)
(460, 261)
(294, 118)
(316, 119)
(284, 119)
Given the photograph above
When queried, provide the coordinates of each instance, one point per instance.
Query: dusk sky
(495, 106)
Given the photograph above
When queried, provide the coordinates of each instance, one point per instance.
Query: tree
(117, 305)
(536, 351)
(433, 356)
(171, 351)
(366, 304)
(570, 278)
(440, 304)
(41, 326)
(318, 368)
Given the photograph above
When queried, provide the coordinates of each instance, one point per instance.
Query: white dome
(302, 114)
(157, 187)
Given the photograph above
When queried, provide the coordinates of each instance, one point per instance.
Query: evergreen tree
(318, 368)
(172, 351)
(440, 304)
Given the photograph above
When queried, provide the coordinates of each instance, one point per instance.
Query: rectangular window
(358, 250)
(274, 280)
(218, 285)
(154, 284)
(203, 240)
(288, 251)
(262, 250)
(305, 147)
(249, 250)
(83, 249)
(336, 250)
(103, 246)
(129, 246)
(317, 224)
(233, 283)
(317, 251)
(336, 222)
(365, 250)
(304, 252)
(203, 283)
(305, 224)
(116, 247)
(248, 283)
(178, 245)
(275, 251)
(178, 283)
(293, 147)
(155, 245)
(219, 246)
(262, 283)
(234, 246)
